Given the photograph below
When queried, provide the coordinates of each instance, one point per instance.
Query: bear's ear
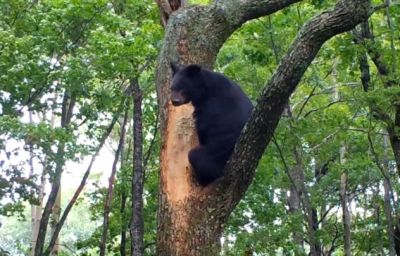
(193, 69)
(175, 68)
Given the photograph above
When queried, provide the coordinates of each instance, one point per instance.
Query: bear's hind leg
(205, 168)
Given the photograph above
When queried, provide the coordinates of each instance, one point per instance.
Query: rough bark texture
(191, 218)
(137, 225)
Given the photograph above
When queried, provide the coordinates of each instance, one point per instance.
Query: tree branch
(238, 12)
(241, 167)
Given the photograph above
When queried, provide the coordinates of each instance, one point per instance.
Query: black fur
(221, 109)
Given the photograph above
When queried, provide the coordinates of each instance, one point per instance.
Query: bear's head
(187, 84)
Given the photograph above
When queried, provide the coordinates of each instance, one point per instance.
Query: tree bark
(345, 214)
(122, 245)
(55, 218)
(36, 214)
(191, 218)
(137, 224)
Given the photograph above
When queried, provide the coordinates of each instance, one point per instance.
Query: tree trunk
(310, 214)
(389, 218)
(137, 224)
(68, 105)
(387, 187)
(392, 126)
(83, 181)
(294, 208)
(124, 197)
(167, 7)
(191, 218)
(36, 213)
(36, 210)
(122, 245)
(108, 199)
(345, 214)
(55, 218)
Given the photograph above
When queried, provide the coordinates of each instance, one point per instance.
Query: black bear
(221, 109)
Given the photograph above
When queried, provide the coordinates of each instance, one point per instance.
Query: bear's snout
(177, 98)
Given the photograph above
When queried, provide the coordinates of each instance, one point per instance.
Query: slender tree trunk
(392, 126)
(56, 181)
(389, 218)
(296, 176)
(137, 224)
(344, 200)
(68, 105)
(124, 197)
(294, 208)
(191, 218)
(55, 218)
(36, 213)
(36, 210)
(78, 191)
(108, 199)
(309, 211)
(122, 246)
(345, 214)
(388, 191)
(387, 187)
(377, 212)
